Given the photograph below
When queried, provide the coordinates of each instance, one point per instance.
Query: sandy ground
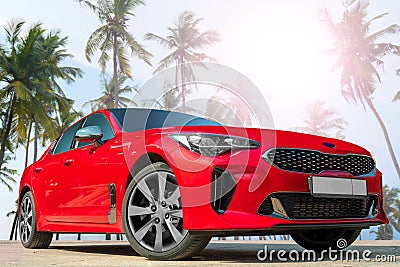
(217, 253)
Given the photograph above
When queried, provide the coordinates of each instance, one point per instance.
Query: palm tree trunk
(14, 226)
(385, 134)
(183, 89)
(183, 80)
(27, 144)
(6, 133)
(116, 92)
(35, 142)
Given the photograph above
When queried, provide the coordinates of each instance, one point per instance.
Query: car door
(48, 176)
(85, 183)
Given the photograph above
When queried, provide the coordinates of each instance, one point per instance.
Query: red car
(170, 181)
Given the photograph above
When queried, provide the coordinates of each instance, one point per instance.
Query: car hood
(269, 138)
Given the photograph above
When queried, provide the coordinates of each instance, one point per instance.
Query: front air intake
(306, 206)
(222, 189)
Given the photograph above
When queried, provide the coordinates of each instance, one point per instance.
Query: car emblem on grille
(328, 144)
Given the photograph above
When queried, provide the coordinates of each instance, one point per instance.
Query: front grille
(305, 206)
(309, 161)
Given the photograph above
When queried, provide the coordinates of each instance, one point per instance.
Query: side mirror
(89, 134)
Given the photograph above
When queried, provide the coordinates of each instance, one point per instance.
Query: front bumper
(254, 183)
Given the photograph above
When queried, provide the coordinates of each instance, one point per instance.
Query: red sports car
(170, 181)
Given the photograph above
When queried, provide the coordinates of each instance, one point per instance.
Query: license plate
(334, 187)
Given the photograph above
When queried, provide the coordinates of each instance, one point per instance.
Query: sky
(279, 45)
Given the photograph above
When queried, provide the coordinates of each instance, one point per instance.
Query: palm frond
(137, 49)
(95, 41)
(164, 42)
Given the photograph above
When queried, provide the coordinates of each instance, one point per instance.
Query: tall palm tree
(359, 54)
(322, 121)
(114, 36)
(185, 40)
(106, 100)
(30, 69)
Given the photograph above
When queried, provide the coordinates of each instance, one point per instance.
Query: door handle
(38, 170)
(68, 162)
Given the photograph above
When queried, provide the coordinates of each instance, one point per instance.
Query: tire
(153, 222)
(323, 239)
(30, 237)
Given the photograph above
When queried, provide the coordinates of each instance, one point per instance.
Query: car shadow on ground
(247, 253)
(122, 250)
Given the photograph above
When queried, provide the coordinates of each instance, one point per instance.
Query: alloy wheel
(154, 212)
(26, 219)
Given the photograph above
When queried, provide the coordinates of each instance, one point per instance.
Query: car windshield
(136, 119)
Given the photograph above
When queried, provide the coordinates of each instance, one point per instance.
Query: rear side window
(65, 141)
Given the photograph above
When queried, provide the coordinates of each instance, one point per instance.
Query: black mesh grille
(308, 161)
(305, 206)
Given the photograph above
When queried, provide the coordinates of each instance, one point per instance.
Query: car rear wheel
(152, 216)
(324, 239)
(30, 237)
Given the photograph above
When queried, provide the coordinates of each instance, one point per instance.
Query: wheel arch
(24, 189)
(142, 162)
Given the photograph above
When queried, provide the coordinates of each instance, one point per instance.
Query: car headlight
(212, 145)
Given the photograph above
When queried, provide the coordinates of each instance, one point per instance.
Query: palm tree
(359, 54)
(30, 69)
(106, 100)
(114, 36)
(185, 40)
(322, 121)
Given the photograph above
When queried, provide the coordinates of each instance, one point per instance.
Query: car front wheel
(152, 216)
(323, 239)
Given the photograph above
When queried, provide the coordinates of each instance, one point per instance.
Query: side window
(101, 121)
(65, 141)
